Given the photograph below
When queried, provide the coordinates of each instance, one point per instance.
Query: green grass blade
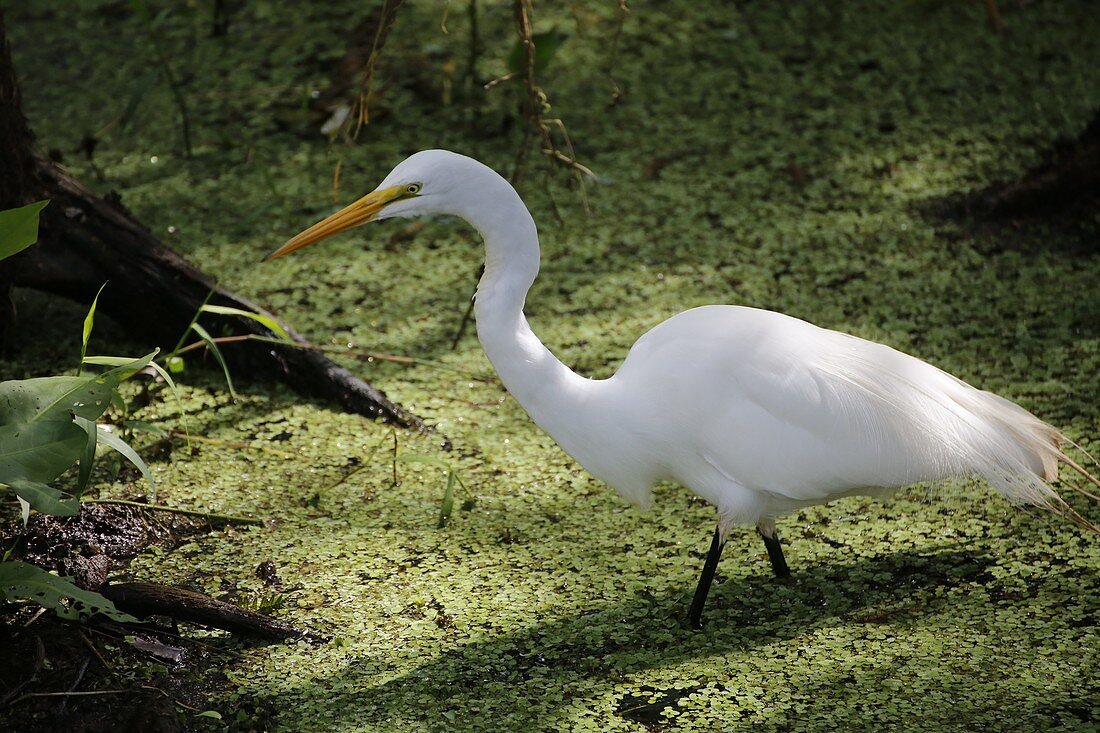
(89, 322)
(448, 501)
(109, 439)
(213, 346)
(187, 330)
(119, 360)
(267, 321)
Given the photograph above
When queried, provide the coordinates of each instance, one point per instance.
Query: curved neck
(533, 375)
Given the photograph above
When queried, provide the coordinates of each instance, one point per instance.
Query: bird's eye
(412, 189)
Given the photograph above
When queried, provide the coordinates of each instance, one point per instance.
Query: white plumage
(757, 412)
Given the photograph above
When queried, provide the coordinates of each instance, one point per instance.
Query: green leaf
(213, 346)
(212, 714)
(89, 321)
(546, 45)
(19, 228)
(22, 580)
(38, 438)
(120, 360)
(45, 499)
(87, 458)
(267, 321)
(39, 451)
(109, 439)
(123, 360)
(51, 398)
(448, 501)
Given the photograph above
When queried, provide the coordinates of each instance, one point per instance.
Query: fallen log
(85, 240)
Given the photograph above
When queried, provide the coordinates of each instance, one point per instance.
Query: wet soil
(101, 676)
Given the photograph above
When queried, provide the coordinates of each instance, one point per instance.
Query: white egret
(756, 412)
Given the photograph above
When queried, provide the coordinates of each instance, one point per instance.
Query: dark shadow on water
(524, 680)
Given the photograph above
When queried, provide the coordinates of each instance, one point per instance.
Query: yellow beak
(360, 212)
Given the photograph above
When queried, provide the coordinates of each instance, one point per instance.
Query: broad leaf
(546, 45)
(22, 580)
(19, 228)
(39, 451)
(45, 499)
(44, 429)
(54, 398)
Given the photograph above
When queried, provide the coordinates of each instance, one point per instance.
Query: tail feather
(968, 430)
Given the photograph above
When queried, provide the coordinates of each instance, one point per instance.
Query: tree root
(181, 604)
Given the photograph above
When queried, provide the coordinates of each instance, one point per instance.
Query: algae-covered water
(798, 156)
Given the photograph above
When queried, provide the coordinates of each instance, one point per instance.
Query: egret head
(428, 182)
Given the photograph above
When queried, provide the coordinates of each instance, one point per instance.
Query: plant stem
(173, 510)
(181, 105)
(219, 340)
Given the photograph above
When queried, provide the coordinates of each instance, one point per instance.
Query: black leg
(775, 553)
(695, 616)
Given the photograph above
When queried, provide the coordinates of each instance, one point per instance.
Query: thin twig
(35, 617)
(76, 683)
(98, 655)
(993, 16)
(613, 57)
(174, 700)
(535, 102)
(362, 355)
(463, 323)
(219, 340)
(88, 693)
(500, 80)
(474, 52)
(387, 16)
(394, 457)
(175, 510)
(336, 181)
(181, 104)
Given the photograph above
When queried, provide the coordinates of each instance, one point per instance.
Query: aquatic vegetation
(791, 156)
